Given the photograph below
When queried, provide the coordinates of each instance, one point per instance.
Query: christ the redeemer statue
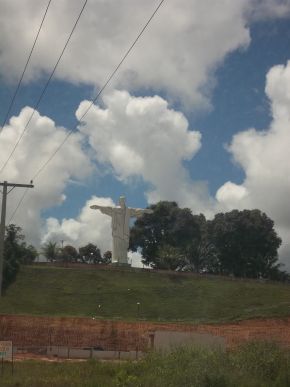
(120, 227)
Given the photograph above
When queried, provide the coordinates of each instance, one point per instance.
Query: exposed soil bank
(126, 336)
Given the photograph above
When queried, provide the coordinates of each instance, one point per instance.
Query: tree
(107, 257)
(28, 254)
(246, 243)
(16, 252)
(168, 226)
(169, 258)
(68, 254)
(90, 254)
(51, 251)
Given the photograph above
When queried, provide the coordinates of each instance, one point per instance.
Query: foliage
(237, 243)
(168, 257)
(68, 254)
(51, 251)
(90, 254)
(28, 254)
(253, 365)
(246, 243)
(16, 252)
(168, 225)
(107, 257)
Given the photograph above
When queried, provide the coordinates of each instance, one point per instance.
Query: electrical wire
(44, 89)
(18, 205)
(40, 170)
(25, 68)
(99, 93)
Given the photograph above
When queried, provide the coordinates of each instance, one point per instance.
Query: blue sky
(219, 90)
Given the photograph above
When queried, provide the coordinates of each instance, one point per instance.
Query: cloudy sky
(199, 112)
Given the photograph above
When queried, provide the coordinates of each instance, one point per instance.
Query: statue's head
(122, 201)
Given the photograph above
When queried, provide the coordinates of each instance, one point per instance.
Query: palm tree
(50, 251)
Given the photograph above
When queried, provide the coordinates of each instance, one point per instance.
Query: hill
(115, 294)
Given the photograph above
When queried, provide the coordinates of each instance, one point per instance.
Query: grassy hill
(54, 291)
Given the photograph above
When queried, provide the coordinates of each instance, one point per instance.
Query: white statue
(120, 227)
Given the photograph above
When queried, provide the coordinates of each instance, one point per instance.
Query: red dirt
(119, 335)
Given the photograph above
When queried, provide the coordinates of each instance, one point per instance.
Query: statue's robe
(120, 230)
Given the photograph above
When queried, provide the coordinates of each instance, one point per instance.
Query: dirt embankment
(119, 335)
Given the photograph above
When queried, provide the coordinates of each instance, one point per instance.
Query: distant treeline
(236, 243)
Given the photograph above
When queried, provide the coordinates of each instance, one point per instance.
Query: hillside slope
(55, 291)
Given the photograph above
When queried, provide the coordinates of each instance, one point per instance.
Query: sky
(199, 112)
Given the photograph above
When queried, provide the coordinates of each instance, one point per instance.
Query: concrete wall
(81, 353)
(169, 340)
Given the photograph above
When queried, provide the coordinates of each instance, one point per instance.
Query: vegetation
(16, 252)
(252, 365)
(89, 253)
(238, 243)
(50, 251)
(42, 290)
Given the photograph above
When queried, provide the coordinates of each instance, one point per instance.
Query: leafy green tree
(107, 257)
(169, 258)
(68, 254)
(246, 244)
(51, 251)
(168, 226)
(29, 254)
(16, 252)
(90, 253)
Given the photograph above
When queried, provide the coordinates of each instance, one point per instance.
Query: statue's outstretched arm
(137, 212)
(104, 210)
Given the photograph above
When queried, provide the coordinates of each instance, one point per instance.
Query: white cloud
(231, 193)
(142, 137)
(36, 147)
(89, 227)
(177, 54)
(265, 9)
(264, 157)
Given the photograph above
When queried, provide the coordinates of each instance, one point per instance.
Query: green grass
(54, 291)
(253, 365)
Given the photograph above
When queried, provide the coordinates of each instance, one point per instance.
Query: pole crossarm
(5, 185)
(16, 185)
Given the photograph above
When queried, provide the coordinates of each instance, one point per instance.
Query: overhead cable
(44, 89)
(40, 170)
(99, 93)
(24, 70)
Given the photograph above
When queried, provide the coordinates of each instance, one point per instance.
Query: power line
(40, 170)
(99, 93)
(18, 205)
(124, 57)
(25, 67)
(44, 89)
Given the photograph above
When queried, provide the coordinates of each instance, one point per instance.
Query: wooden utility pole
(5, 186)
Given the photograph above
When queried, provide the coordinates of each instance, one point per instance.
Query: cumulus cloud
(141, 137)
(90, 226)
(36, 147)
(264, 157)
(265, 9)
(177, 54)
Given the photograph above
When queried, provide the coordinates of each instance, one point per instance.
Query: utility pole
(5, 186)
